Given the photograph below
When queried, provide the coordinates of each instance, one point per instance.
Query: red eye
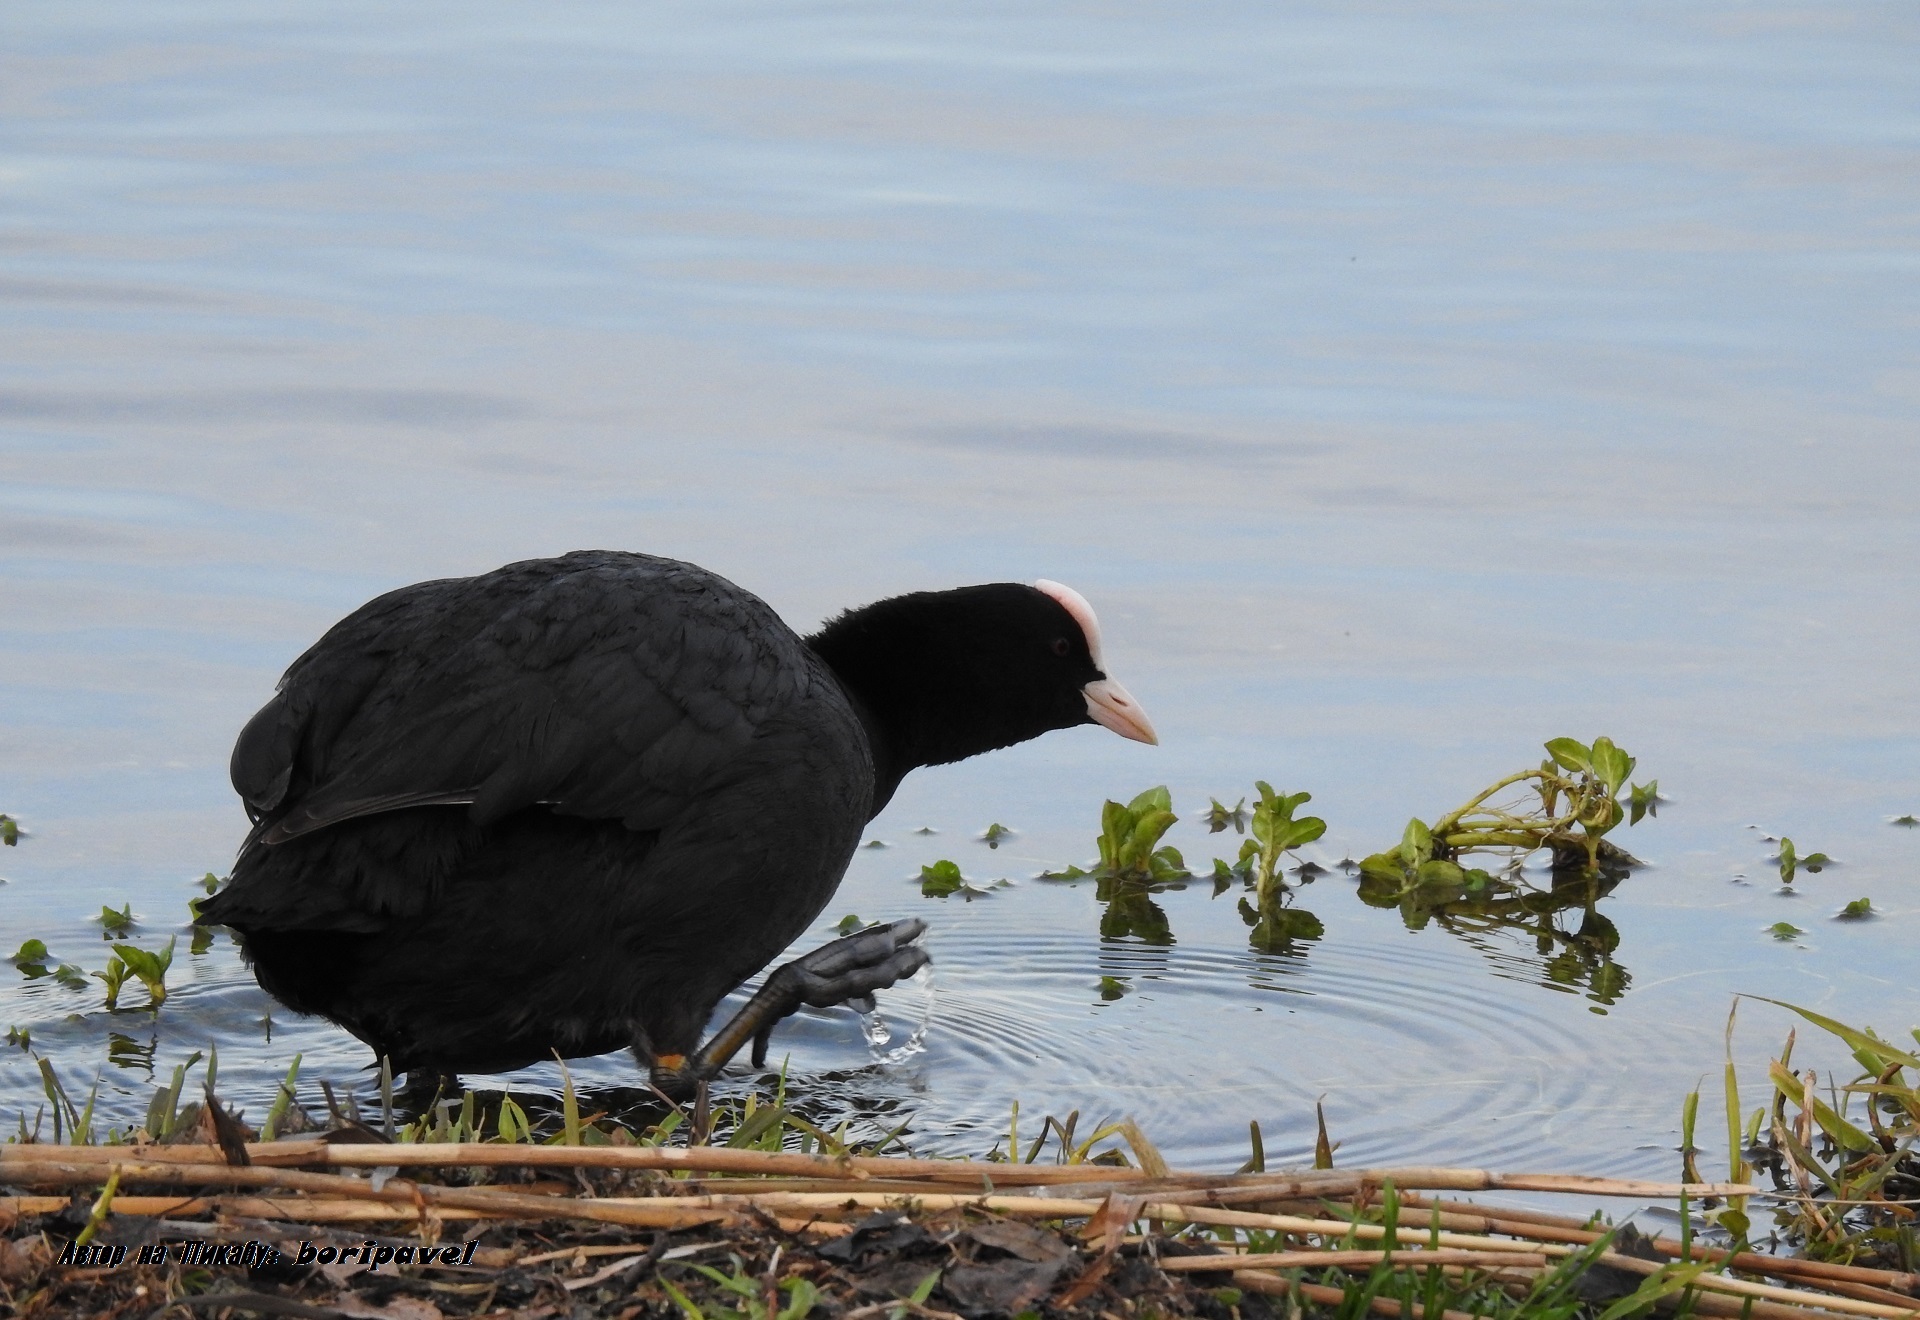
(1060, 646)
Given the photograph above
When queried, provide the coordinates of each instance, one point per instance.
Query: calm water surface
(1405, 385)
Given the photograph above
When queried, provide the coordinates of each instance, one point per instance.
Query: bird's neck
(919, 698)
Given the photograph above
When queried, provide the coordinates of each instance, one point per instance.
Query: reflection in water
(124, 1051)
(1131, 912)
(1572, 943)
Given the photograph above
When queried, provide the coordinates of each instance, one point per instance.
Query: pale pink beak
(1113, 707)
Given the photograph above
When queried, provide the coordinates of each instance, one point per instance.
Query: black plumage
(570, 804)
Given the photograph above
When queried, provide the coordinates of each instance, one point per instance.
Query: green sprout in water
(115, 976)
(9, 831)
(1856, 910)
(1784, 930)
(1219, 817)
(1128, 835)
(1908, 820)
(1791, 862)
(1132, 867)
(943, 880)
(994, 833)
(1643, 801)
(1275, 831)
(144, 966)
(115, 923)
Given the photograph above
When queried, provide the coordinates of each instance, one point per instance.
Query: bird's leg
(846, 971)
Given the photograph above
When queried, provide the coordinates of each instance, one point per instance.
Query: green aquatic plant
(1854, 911)
(943, 879)
(115, 923)
(143, 965)
(994, 834)
(1574, 804)
(1843, 1153)
(9, 831)
(1643, 801)
(149, 968)
(31, 961)
(114, 976)
(1784, 930)
(1133, 865)
(1219, 817)
(1274, 830)
(1792, 863)
(1129, 836)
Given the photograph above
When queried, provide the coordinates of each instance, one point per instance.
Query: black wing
(609, 685)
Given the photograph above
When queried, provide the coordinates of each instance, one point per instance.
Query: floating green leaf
(9, 831)
(1854, 911)
(1908, 820)
(1066, 874)
(848, 924)
(1789, 861)
(115, 923)
(1816, 862)
(1784, 930)
(994, 833)
(941, 880)
(70, 976)
(1113, 987)
(31, 953)
(1643, 801)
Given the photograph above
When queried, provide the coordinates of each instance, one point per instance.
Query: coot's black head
(950, 674)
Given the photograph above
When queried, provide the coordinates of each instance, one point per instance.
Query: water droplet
(879, 1035)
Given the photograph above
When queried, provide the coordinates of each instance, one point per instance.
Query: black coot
(570, 804)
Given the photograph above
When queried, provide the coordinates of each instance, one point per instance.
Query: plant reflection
(1572, 942)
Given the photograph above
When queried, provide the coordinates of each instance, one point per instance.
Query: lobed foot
(847, 971)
